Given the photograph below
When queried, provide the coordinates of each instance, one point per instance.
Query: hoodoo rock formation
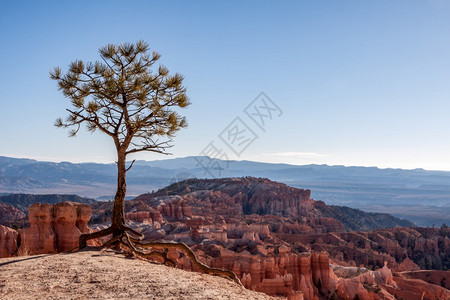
(54, 228)
(233, 197)
(275, 238)
(40, 237)
(169, 207)
(8, 241)
(279, 241)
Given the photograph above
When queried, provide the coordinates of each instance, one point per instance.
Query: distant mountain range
(418, 195)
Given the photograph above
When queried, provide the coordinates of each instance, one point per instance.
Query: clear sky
(362, 83)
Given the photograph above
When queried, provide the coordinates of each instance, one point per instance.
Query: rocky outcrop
(8, 241)
(54, 228)
(249, 196)
(407, 265)
(144, 216)
(361, 283)
(232, 197)
(239, 197)
(440, 278)
(280, 241)
(9, 213)
(265, 262)
(170, 207)
(260, 257)
(242, 229)
(403, 248)
(40, 237)
(416, 289)
(310, 276)
(175, 209)
(283, 273)
(275, 238)
(69, 222)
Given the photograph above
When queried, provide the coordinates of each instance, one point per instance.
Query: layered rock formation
(403, 248)
(243, 196)
(8, 241)
(9, 213)
(170, 207)
(441, 278)
(279, 241)
(232, 197)
(286, 273)
(239, 197)
(40, 237)
(276, 270)
(266, 263)
(275, 238)
(54, 228)
(141, 212)
(416, 289)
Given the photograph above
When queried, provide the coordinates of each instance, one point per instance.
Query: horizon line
(49, 160)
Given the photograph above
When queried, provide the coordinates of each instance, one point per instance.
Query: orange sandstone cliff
(54, 228)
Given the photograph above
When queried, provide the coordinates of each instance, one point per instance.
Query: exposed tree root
(94, 235)
(133, 242)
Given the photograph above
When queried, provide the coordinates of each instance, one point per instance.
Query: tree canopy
(123, 97)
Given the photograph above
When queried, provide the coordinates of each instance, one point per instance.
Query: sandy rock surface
(105, 275)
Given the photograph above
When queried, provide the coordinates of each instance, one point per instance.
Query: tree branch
(86, 119)
(127, 169)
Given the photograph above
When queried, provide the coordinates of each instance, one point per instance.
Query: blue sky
(359, 82)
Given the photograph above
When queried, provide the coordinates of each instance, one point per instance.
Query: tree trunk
(118, 217)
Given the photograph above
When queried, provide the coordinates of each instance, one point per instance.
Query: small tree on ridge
(121, 97)
(124, 98)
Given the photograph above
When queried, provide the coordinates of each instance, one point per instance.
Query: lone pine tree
(128, 98)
